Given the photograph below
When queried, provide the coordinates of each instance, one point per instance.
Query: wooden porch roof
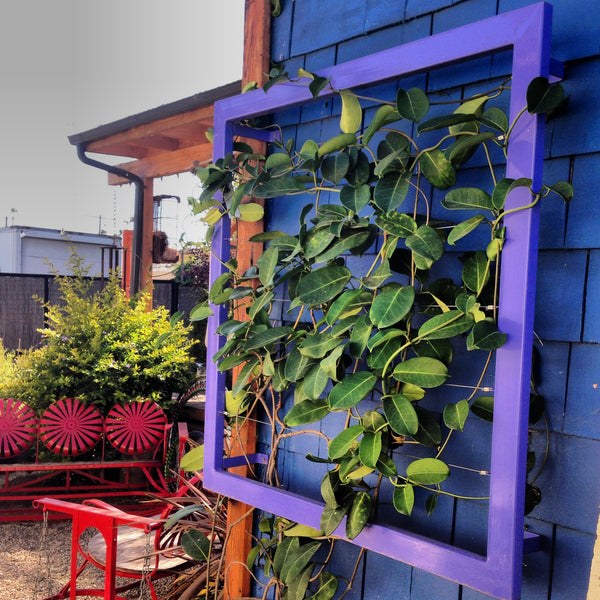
(163, 141)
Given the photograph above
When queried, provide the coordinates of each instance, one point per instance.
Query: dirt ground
(30, 570)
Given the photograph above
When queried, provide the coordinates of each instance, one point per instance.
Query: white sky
(70, 65)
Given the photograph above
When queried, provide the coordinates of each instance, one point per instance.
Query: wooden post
(147, 228)
(257, 27)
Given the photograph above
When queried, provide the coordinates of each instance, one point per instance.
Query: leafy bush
(103, 348)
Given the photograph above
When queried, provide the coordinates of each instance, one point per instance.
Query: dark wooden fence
(21, 315)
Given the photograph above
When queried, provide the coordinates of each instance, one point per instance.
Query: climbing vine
(349, 327)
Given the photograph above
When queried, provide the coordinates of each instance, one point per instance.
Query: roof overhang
(162, 141)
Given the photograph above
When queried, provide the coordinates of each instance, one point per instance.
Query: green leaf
(317, 85)
(400, 414)
(317, 345)
(427, 471)
(360, 168)
(431, 503)
(244, 375)
(485, 336)
(564, 189)
(390, 191)
(437, 170)
(323, 285)
(350, 240)
(359, 336)
(387, 344)
(348, 304)
(426, 243)
(196, 544)
(328, 586)
(445, 121)
(330, 363)
(296, 561)
(296, 588)
(315, 382)
(278, 163)
(495, 118)
(355, 198)
(506, 186)
(467, 199)
(483, 407)
(344, 441)
(462, 229)
(404, 499)
(386, 466)
(397, 224)
(351, 116)
(218, 293)
(283, 552)
(392, 304)
(331, 518)
(360, 511)
(455, 415)
(463, 148)
(351, 390)
(446, 325)
(369, 448)
(280, 186)
(373, 421)
(412, 104)
(259, 303)
(250, 212)
(385, 114)
(267, 263)
(422, 371)
(316, 241)
(542, 97)
(308, 411)
(429, 432)
(337, 143)
(267, 337)
(335, 167)
(379, 276)
(296, 365)
(193, 460)
(200, 312)
(476, 272)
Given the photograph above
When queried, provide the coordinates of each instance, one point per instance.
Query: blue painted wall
(317, 33)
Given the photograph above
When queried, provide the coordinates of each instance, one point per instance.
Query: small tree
(104, 348)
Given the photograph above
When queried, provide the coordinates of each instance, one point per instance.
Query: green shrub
(103, 348)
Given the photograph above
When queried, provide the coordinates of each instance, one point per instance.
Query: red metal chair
(18, 427)
(129, 546)
(136, 428)
(70, 428)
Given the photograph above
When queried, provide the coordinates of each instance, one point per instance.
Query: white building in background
(31, 250)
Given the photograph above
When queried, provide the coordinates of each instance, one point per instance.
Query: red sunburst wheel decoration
(18, 426)
(135, 428)
(69, 427)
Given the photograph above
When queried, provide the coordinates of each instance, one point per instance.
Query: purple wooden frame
(527, 32)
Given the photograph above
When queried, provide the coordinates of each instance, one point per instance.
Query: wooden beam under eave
(167, 163)
(159, 127)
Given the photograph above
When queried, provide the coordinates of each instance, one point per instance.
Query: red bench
(73, 452)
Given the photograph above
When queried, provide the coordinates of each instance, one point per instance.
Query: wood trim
(168, 163)
(192, 117)
(257, 32)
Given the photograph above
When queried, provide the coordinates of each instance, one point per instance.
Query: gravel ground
(29, 571)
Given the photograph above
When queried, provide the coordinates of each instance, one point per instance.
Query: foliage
(104, 348)
(195, 269)
(370, 340)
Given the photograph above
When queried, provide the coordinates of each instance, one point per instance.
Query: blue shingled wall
(317, 33)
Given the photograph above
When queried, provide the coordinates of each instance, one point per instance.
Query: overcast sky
(70, 65)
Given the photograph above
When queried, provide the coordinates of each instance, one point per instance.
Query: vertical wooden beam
(147, 229)
(257, 28)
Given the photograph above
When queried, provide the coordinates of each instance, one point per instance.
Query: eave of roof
(199, 100)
